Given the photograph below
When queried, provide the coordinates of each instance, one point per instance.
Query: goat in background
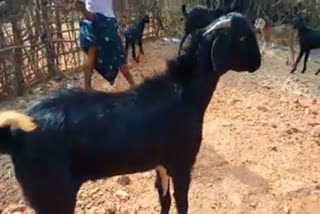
(134, 35)
(279, 33)
(308, 40)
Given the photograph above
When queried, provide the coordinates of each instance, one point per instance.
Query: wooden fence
(42, 40)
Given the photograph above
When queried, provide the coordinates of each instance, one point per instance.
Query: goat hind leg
(306, 57)
(162, 185)
(297, 62)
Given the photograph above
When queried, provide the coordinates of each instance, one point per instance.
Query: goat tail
(184, 10)
(17, 120)
(14, 119)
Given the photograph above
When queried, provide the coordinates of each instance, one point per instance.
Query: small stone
(286, 209)
(314, 101)
(262, 108)
(122, 195)
(232, 101)
(292, 131)
(253, 205)
(148, 174)
(123, 180)
(226, 124)
(307, 111)
(316, 131)
(274, 148)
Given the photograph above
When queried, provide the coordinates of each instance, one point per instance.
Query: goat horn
(219, 25)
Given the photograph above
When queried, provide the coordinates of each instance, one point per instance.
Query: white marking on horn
(164, 179)
(220, 24)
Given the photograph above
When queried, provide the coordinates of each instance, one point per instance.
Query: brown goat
(279, 33)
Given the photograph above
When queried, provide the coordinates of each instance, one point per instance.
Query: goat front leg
(162, 185)
(306, 57)
(50, 192)
(263, 50)
(318, 72)
(181, 182)
(297, 62)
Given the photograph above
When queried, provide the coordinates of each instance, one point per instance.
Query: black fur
(199, 17)
(85, 135)
(308, 40)
(134, 35)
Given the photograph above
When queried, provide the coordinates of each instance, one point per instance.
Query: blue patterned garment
(102, 33)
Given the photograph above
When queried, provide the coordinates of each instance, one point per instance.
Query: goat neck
(196, 75)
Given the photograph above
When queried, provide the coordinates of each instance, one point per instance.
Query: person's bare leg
(124, 69)
(88, 70)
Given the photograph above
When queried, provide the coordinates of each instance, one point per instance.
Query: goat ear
(220, 53)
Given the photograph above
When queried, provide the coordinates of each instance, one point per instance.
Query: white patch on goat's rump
(164, 179)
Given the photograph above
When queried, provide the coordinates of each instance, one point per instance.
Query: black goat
(200, 17)
(78, 136)
(134, 35)
(308, 40)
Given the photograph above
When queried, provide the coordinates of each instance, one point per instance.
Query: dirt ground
(260, 153)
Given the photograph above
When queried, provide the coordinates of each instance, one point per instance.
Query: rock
(233, 101)
(292, 130)
(94, 191)
(226, 124)
(286, 209)
(262, 108)
(123, 180)
(316, 131)
(314, 101)
(122, 195)
(307, 111)
(21, 209)
(274, 148)
(148, 174)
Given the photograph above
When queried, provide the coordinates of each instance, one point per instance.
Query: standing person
(99, 38)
